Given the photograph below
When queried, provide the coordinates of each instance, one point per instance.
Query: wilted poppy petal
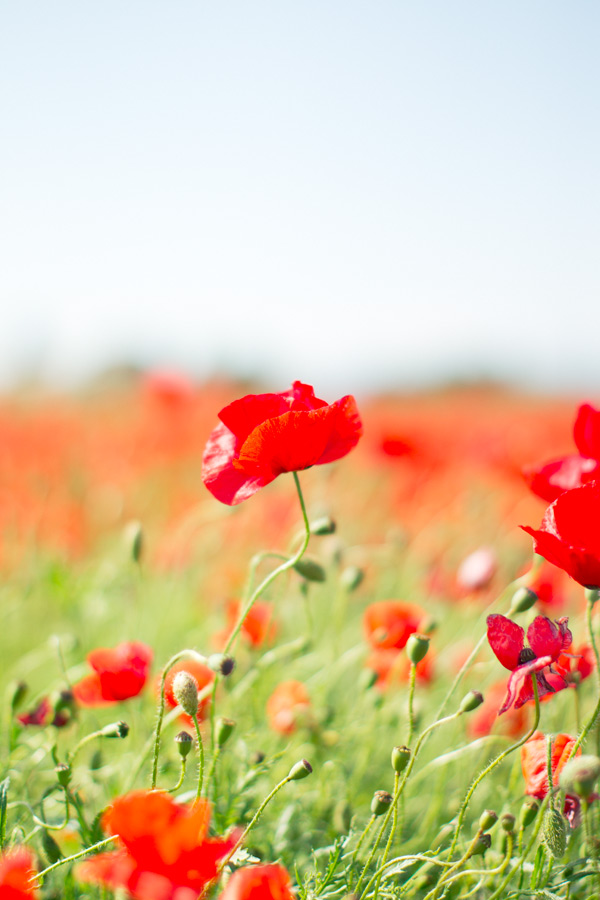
(506, 639)
(586, 431)
(517, 680)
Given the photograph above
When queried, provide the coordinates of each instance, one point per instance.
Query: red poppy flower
(535, 765)
(166, 852)
(586, 431)
(547, 640)
(119, 673)
(569, 536)
(58, 713)
(262, 436)
(288, 703)
(258, 627)
(258, 883)
(16, 872)
(203, 675)
(485, 718)
(388, 624)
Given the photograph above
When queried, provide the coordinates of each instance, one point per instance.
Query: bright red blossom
(262, 436)
(534, 761)
(388, 624)
(569, 536)
(258, 883)
(166, 852)
(547, 641)
(119, 673)
(16, 872)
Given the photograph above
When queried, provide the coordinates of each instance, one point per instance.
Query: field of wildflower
(264, 646)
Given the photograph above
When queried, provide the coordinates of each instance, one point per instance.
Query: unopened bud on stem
(185, 691)
(470, 701)
(417, 647)
(183, 741)
(300, 770)
(400, 758)
(381, 802)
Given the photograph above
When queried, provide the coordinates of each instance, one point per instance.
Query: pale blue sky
(347, 193)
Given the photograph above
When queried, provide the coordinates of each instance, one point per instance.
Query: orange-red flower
(389, 623)
(16, 872)
(262, 436)
(166, 853)
(258, 883)
(119, 673)
(485, 718)
(203, 675)
(258, 627)
(535, 765)
(393, 667)
(288, 703)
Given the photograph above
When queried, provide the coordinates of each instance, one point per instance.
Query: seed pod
(400, 758)
(381, 802)
(483, 843)
(299, 770)
(507, 822)
(555, 833)
(471, 701)
(523, 599)
(487, 819)
(183, 741)
(310, 569)
(529, 811)
(417, 647)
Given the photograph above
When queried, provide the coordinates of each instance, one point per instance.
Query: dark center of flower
(526, 655)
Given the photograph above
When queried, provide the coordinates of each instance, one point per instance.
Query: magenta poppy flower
(569, 536)
(547, 640)
(262, 436)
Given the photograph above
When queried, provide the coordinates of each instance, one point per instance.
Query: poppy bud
(417, 647)
(483, 843)
(183, 740)
(185, 691)
(223, 730)
(134, 540)
(555, 833)
(381, 802)
(19, 690)
(507, 822)
(400, 758)
(529, 811)
(470, 701)
(487, 819)
(324, 525)
(523, 599)
(580, 775)
(63, 774)
(351, 578)
(310, 569)
(115, 730)
(220, 663)
(300, 770)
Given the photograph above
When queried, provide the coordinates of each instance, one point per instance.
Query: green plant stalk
(86, 740)
(67, 859)
(363, 835)
(200, 758)
(499, 892)
(411, 699)
(596, 713)
(494, 763)
(451, 875)
(181, 777)
(398, 859)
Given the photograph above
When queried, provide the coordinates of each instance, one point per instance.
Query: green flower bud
(507, 822)
(580, 775)
(324, 525)
(351, 578)
(555, 832)
(470, 701)
(381, 802)
(63, 774)
(185, 691)
(310, 569)
(529, 811)
(400, 758)
(483, 843)
(220, 663)
(51, 849)
(116, 730)
(183, 740)
(417, 647)
(487, 819)
(300, 770)
(223, 730)
(134, 540)
(523, 599)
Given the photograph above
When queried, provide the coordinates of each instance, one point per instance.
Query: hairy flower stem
(399, 859)
(161, 706)
(449, 877)
(398, 794)
(499, 892)
(181, 777)
(591, 597)
(411, 699)
(493, 764)
(455, 867)
(288, 563)
(200, 758)
(363, 835)
(39, 876)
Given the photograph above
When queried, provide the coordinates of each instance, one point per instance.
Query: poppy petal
(586, 431)
(516, 681)
(548, 639)
(506, 639)
(223, 480)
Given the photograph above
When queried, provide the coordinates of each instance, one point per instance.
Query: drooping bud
(183, 742)
(400, 758)
(523, 599)
(299, 770)
(223, 730)
(417, 647)
(483, 843)
(555, 832)
(351, 578)
(507, 822)
(487, 819)
(580, 775)
(220, 663)
(115, 730)
(470, 701)
(381, 802)
(63, 774)
(529, 811)
(324, 525)
(185, 691)
(310, 569)
(134, 540)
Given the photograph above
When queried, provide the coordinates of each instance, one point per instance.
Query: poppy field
(265, 646)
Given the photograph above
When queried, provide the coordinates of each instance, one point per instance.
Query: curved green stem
(200, 758)
(67, 859)
(181, 777)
